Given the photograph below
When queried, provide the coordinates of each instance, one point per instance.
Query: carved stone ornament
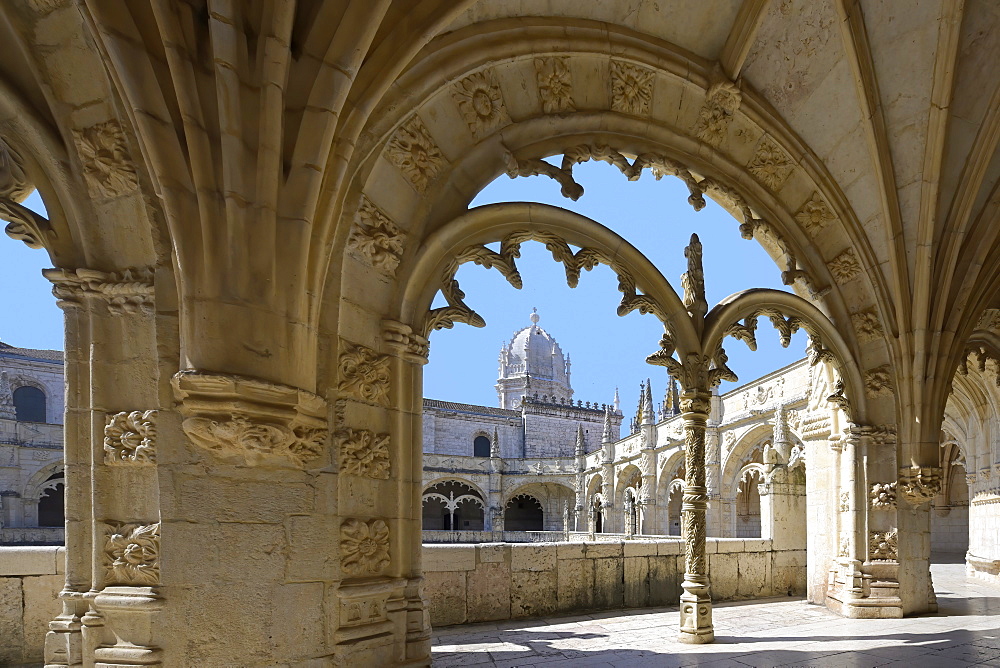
(845, 267)
(106, 163)
(883, 495)
(721, 104)
(127, 291)
(845, 546)
(251, 420)
(376, 238)
(416, 155)
(554, 85)
(814, 214)
(132, 554)
(130, 438)
(408, 344)
(867, 325)
(878, 381)
(845, 502)
(364, 547)
(770, 164)
(919, 485)
(364, 374)
(24, 224)
(481, 103)
(882, 545)
(364, 453)
(631, 88)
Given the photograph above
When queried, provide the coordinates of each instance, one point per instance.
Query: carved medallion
(481, 103)
(364, 374)
(814, 214)
(721, 103)
(364, 547)
(883, 495)
(882, 545)
(845, 267)
(364, 453)
(129, 438)
(878, 381)
(106, 164)
(631, 88)
(376, 238)
(554, 85)
(770, 164)
(416, 155)
(867, 325)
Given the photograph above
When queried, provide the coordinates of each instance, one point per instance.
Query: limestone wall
(492, 581)
(30, 579)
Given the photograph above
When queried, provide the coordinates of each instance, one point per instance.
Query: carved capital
(251, 420)
(405, 342)
(130, 438)
(919, 484)
(132, 554)
(127, 291)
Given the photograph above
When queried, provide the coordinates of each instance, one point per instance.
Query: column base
(864, 591)
(696, 615)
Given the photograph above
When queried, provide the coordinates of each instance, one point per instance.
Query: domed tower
(533, 363)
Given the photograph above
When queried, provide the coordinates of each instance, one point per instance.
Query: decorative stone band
(251, 420)
(130, 438)
(132, 554)
(127, 291)
(918, 485)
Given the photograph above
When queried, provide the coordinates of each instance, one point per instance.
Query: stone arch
(747, 516)
(732, 465)
(446, 478)
(672, 501)
(629, 478)
(462, 511)
(39, 480)
(523, 512)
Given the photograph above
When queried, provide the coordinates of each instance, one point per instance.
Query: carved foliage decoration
(845, 267)
(814, 214)
(918, 485)
(376, 238)
(402, 338)
(481, 103)
(882, 545)
(770, 164)
(631, 88)
(416, 155)
(554, 85)
(364, 374)
(883, 495)
(721, 104)
(364, 453)
(364, 547)
(129, 438)
(106, 164)
(25, 225)
(132, 554)
(867, 325)
(128, 291)
(878, 381)
(253, 437)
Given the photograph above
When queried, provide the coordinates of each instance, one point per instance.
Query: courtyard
(771, 632)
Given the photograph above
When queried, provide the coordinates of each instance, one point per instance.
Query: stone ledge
(32, 560)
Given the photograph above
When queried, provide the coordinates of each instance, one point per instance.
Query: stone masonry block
(634, 548)
(488, 592)
(665, 575)
(41, 605)
(604, 550)
(670, 547)
(570, 551)
(529, 557)
(30, 560)
(533, 593)
(608, 583)
(492, 553)
(446, 595)
(448, 558)
(11, 614)
(636, 582)
(576, 584)
(724, 573)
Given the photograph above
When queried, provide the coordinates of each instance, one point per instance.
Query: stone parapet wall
(30, 580)
(494, 581)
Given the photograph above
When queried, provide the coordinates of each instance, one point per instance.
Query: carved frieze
(481, 102)
(364, 453)
(631, 88)
(127, 291)
(132, 554)
(878, 381)
(252, 420)
(814, 214)
(721, 104)
(106, 163)
(882, 545)
(845, 267)
(364, 610)
(554, 85)
(416, 155)
(770, 164)
(918, 485)
(883, 495)
(364, 547)
(364, 374)
(130, 438)
(376, 238)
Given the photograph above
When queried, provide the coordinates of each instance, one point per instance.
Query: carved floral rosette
(251, 420)
(918, 485)
(132, 554)
(130, 438)
(364, 547)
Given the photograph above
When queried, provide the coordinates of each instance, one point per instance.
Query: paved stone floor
(772, 632)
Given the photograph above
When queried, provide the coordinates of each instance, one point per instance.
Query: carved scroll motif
(130, 438)
(132, 554)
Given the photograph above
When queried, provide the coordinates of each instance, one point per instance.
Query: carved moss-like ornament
(364, 374)
(106, 163)
(416, 155)
(130, 438)
(555, 88)
(364, 547)
(481, 103)
(132, 554)
(631, 88)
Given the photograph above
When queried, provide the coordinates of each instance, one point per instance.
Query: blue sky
(607, 351)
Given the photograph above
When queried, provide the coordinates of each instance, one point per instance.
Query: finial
(495, 445)
(693, 280)
(647, 404)
(618, 401)
(579, 440)
(608, 434)
(534, 317)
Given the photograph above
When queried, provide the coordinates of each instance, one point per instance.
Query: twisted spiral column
(696, 602)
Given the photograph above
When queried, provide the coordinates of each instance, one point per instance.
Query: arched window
(29, 404)
(50, 504)
(481, 447)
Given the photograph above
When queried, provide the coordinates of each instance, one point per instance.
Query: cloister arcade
(252, 206)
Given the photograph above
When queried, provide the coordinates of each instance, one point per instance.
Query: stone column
(919, 482)
(696, 602)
